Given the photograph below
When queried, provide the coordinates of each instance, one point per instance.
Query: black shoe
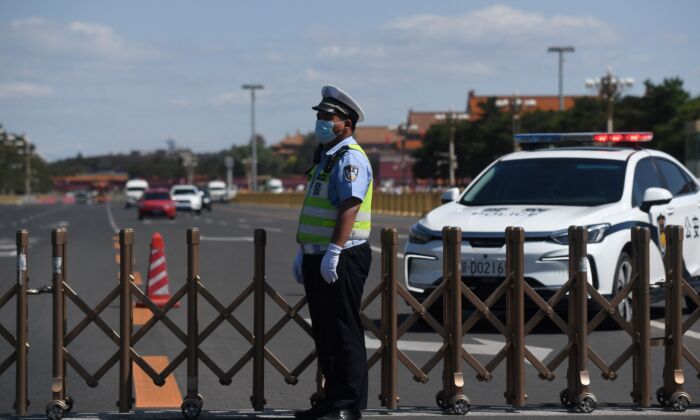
(312, 413)
(342, 414)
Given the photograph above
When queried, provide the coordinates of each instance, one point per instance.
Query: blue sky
(98, 76)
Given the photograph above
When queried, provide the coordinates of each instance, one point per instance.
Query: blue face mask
(324, 131)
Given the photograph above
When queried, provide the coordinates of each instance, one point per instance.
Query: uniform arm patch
(350, 172)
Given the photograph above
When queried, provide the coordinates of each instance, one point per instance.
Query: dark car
(206, 198)
(83, 197)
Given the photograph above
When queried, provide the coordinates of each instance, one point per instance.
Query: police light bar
(541, 138)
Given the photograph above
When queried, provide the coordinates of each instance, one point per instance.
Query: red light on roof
(622, 137)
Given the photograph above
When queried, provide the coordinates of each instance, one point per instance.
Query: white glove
(330, 262)
(297, 271)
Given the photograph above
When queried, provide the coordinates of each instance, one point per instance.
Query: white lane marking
(660, 325)
(57, 225)
(483, 346)
(244, 225)
(157, 222)
(379, 251)
(12, 253)
(110, 216)
(227, 238)
(276, 230)
(403, 236)
(241, 220)
(208, 220)
(223, 223)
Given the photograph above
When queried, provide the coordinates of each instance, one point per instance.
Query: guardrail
(452, 398)
(414, 204)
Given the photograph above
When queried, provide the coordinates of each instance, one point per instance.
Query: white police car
(601, 185)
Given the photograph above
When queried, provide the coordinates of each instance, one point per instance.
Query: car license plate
(484, 267)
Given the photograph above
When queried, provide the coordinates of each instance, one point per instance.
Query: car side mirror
(450, 195)
(655, 197)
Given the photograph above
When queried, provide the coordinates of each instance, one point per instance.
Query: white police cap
(336, 101)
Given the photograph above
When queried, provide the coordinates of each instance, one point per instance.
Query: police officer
(334, 256)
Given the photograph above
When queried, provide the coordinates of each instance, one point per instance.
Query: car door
(647, 176)
(683, 210)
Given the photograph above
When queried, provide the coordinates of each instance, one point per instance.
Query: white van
(134, 191)
(217, 190)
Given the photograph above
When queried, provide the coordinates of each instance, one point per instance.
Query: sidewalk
(550, 411)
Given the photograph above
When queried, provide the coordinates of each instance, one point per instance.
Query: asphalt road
(227, 268)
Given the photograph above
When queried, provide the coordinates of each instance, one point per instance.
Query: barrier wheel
(586, 403)
(69, 404)
(564, 398)
(55, 410)
(459, 405)
(191, 408)
(440, 399)
(679, 401)
(660, 397)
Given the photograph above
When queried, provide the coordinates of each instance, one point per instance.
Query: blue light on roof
(542, 138)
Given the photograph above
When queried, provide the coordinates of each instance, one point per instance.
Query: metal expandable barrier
(452, 290)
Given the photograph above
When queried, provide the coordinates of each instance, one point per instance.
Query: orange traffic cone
(157, 285)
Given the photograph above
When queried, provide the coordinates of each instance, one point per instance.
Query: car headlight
(596, 233)
(418, 234)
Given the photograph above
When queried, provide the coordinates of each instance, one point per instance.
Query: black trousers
(338, 332)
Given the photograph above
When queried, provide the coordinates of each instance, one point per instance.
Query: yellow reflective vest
(318, 215)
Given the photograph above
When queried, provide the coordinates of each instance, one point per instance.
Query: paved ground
(227, 255)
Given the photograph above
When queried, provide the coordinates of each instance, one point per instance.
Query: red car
(156, 202)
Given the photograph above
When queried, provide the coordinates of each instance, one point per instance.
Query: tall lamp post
(561, 51)
(253, 142)
(609, 87)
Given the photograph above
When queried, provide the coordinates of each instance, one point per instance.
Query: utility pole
(28, 174)
(610, 87)
(253, 140)
(515, 105)
(561, 51)
(228, 160)
(453, 158)
(23, 143)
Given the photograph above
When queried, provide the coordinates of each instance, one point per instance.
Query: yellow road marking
(149, 395)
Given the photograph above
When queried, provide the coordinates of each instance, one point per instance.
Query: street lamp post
(561, 51)
(453, 157)
(253, 142)
(609, 87)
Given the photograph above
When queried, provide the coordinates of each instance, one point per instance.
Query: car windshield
(157, 196)
(183, 191)
(549, 181)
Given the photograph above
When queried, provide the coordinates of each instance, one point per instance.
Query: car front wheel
(623, 275)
